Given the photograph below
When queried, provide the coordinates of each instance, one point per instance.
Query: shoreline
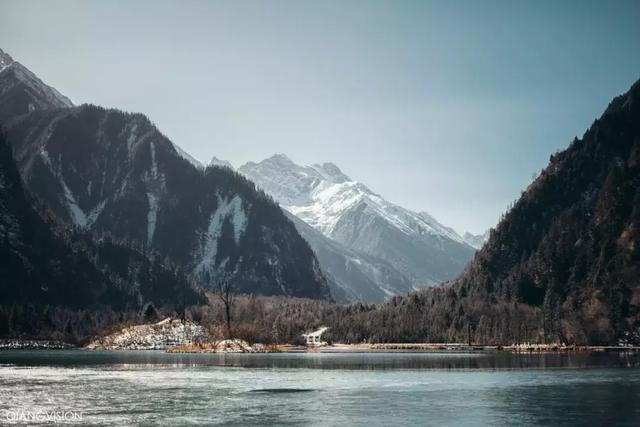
(244, 348)
(25, 344)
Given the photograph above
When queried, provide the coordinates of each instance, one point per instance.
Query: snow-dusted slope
(476, 240)
(352, 275)
(347, 211)
(320, 195)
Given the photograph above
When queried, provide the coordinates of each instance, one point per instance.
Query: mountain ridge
(562, 266)
(417, 247)
(106, 171)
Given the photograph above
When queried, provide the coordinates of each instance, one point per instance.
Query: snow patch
(231, 209)
(45, 157)
(95, 213)
(152, 216)
(78, 216)
(154, 164)
(132, 137)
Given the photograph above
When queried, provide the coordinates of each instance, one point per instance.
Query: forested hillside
(59, 282)
(563, 265)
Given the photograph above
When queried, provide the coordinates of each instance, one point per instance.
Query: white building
(315, 337)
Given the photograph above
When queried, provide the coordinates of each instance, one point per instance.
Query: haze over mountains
(395, 249)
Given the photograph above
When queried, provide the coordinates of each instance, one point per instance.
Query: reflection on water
(367, 361)
(282, 390)
(154, 388)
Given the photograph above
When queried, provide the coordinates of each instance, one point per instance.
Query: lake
(372, 389)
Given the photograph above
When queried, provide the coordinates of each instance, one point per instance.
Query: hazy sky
(448, 107)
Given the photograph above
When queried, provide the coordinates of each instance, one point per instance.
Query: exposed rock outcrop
(158, 336)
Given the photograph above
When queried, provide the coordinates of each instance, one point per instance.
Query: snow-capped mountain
(321, 195)
(352, 275)
(106, 171)
(476, 240)
(348, 212)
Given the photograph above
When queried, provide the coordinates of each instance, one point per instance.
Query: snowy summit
(348, 212)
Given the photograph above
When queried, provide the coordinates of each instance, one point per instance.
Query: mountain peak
(476, 240)
(331, 172)
(188, 157)
(15, 79)
(280, 158)
(220, 163)
(5, 60)
(416, 245)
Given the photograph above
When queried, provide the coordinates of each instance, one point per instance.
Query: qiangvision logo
(54, 416)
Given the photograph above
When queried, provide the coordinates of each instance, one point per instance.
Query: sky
(445, 107)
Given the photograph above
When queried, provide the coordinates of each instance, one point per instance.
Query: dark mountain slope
(37, 267)
(570, 245)
(562, 266)
(571, 242)
(22, 91)
(106, 171)
(41, 266)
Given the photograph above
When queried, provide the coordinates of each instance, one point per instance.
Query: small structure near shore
(315, 337)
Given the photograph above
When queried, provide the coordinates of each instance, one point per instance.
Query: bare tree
(223, 287)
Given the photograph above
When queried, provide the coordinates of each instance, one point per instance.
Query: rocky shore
(226, 346)
(20, 344)
(163, 335)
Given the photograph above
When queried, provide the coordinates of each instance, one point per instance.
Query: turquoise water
(381, 389)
